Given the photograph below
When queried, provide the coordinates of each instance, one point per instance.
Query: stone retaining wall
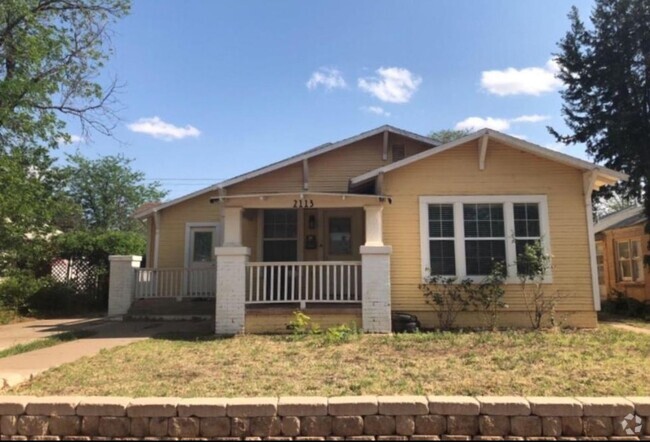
(322, 418)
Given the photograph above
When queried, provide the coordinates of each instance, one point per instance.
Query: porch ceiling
(300, 200)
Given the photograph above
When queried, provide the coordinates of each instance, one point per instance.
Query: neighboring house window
(465, 236)
(630, 260)
(600, 262)
(280, 235)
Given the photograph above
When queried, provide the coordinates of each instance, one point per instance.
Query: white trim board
(459, 230)
(319, 150)
(608, 176)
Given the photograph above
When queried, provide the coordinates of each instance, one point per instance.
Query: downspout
(588, 180)
(156, 243)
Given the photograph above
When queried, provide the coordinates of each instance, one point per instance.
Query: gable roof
(318, 150)
(607, 176)
(630, 216)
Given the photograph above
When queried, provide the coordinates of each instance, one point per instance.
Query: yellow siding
(508, 171)
(172, 227)
(329, 172)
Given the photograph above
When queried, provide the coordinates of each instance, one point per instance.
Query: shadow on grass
(50, 341)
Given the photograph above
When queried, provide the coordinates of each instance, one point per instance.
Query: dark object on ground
(404, 323)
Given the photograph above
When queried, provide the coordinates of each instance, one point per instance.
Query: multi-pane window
(280, 235)
(630, 260)
(485, 242)
(527, 229)
(467, 236)
(441, 239)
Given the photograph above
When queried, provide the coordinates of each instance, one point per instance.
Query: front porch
(271, 255)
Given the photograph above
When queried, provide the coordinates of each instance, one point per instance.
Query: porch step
(184, 309)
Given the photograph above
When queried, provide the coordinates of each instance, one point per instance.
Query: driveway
(107, 334)
(28, 331)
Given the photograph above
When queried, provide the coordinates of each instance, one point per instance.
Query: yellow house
(621, 244)
(346, 231)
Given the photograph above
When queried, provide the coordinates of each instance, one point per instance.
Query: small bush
(302, 325)
(340, 334)
(619, 303)
(448, 297)
(17, 291)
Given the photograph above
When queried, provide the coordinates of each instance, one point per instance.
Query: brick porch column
(375, 275)
(230, 315)
(121, 283)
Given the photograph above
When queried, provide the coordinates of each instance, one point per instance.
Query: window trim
(619, 273)
(459, 230)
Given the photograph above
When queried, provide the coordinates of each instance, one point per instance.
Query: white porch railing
(175, 283)
(321, 281)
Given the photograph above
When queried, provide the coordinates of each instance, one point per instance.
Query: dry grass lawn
(601, 362)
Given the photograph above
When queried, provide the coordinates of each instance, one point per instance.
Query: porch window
(280, 235)
(630, 260)
(464, 236)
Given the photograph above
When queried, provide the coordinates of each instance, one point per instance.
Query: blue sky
(213, 89)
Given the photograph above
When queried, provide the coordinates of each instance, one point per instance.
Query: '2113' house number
(303, 204)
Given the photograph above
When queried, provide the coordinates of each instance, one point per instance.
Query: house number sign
(303, 204)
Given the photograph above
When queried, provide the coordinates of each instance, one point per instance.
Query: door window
(202, 246)
(340, 236)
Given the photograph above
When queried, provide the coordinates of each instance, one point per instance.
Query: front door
(201, 266)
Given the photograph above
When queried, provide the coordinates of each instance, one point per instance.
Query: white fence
(302, 282)
(175, 283)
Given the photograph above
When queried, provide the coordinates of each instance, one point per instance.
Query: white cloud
(392, 85)
(157, 128)
(378, 110)
(530, 118)
(329, 78)
(476, 123)
(74, 139)
(526, 81)
(500, 124)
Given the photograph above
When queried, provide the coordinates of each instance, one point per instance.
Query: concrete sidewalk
(20, 368)
(29, 331)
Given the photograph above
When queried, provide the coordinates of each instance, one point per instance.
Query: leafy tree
(448, 135)
(51, 55)
(108, 190)
(606, 72)
(613, 203)
(33, 207)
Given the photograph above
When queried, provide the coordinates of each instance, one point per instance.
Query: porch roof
(304, 200)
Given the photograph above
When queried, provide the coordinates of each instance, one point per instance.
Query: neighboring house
(349, 229)
(621, 244)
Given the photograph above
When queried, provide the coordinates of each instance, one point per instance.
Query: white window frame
(459, 231)
(218, 237)
(631, 260)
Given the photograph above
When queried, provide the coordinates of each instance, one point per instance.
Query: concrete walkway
(28, 331)
(20, 368)
(630, 328)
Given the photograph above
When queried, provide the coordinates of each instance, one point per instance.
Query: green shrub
(340, 334)
(302, 325)
(619, 303)
(17, 289)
